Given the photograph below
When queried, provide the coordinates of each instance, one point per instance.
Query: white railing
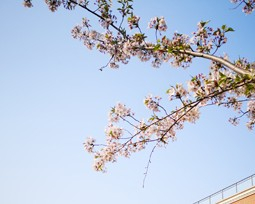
(229, 191)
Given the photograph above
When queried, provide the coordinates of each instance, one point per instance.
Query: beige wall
(248, 200)
(245, 197)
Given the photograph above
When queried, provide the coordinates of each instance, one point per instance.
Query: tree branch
(188, 52)
(217, 59)
(207, 56)
(97, 15)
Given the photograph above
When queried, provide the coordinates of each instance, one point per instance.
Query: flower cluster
(113, 132)
(249, 5)
(53, 4)
(107, 154)
(27, 3)
(158, 23)
(177, 92)
(152, 103)
(119, 111)
(133, 21)
(251, 114)
(89, 144)
(206, 38)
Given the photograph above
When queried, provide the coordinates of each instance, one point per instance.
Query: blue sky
(53, 96)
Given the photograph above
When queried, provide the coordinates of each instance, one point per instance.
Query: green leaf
(237, 79)
(223, 78)
(229, 30)
(249, 89)
(156, 47)
(203, 23)
(222, 75)
(152, 118)
(170, 50)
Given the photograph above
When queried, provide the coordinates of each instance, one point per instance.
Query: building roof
(232, 193)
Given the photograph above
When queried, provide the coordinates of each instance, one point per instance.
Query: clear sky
(53, 96)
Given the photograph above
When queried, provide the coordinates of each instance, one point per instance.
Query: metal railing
(229, 191)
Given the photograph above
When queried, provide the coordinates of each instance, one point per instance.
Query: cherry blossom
(89, 144)
(53, 4)
(158, 23)
(227, 83)
(27, 3)
(133, 22)
(249, 5)
(152, 103)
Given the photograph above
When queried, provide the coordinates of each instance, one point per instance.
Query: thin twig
(148, 164)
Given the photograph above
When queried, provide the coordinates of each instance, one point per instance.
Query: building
(245, 197)
(241, 192)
